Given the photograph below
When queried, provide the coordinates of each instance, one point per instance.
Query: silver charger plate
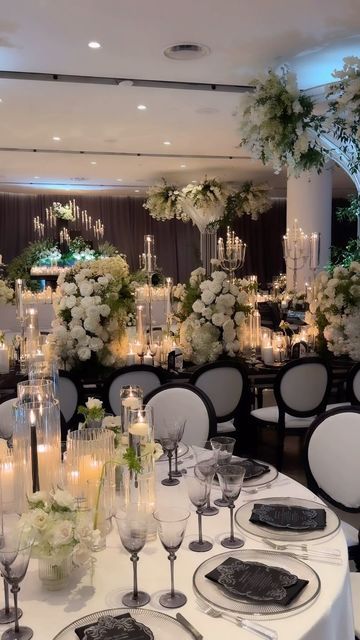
(215, 596)
(242, 519)
(162, 625)
(258, 481)
(183, 449)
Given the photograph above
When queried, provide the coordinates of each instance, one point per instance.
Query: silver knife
(197, 635)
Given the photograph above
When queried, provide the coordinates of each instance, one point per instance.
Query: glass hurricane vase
(55, 576)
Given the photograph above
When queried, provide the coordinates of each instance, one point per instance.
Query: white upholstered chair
(70, 396)
(226, 384)
(185, 400)
(6, 418)
(332, 465)
(301, 389)
(355, 594)
(145, 376)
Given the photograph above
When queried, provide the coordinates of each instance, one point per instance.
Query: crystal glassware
(171, 523)
(131, 397)
(176, 472)
(224, 447)
(35, 390)
(205, 469)
(132, 527)
(14, 561)
(198, 487)
(7, 613)
(231, 478)
(169, 433)
(45, 370)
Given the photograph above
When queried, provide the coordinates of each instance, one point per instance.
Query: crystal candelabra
(231, 254)
(296, 250)
(76, 219)
(147, 263)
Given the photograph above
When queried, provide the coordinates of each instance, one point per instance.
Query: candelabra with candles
(314, 242)
(296, 250)
(147, 263)
(231, 254)
(77, 220)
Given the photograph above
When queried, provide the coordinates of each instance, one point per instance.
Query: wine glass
(231, 477)
(198, 487)
(224, 447)
(14, 560)
(205, 469)
(7, 613)
(168, 433)
(177, 473)
(132, 527)
(171, 524)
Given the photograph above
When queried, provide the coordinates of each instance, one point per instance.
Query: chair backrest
(227, 386)
(70, 395)
(302, 386)
(353, 384)
(147, 377)
(175, 400)
(7, 418)
(332, 457)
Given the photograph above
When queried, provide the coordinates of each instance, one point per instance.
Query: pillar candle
(4, 359)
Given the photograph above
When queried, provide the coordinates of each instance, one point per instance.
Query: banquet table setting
(328, 615)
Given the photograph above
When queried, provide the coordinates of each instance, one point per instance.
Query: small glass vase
(55, 576)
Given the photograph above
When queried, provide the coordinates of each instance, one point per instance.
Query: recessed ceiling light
(94, 45)
(167, 142)
(36, 177)
(194, 181)
(93, 162)
(56, 138)
(137, 190)
(186, 51)
(142, 107)
(183, 166)
(119, 179)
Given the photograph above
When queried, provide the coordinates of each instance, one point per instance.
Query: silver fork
(280, 546)
(269, 485)
(258, 629)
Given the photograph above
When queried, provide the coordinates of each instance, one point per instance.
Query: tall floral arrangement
(211, 312)
(335, 310)
(343, 118)
(91, 312)
(6, 293)
(63, 211)
(278, 124)
(164, 202)
(204, 202)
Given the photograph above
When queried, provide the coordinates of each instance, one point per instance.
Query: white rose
(84, 353)
(207, 297)
(86, 288)
(39, 519)
(77, 333)
(70, 288)
(61, 533)
(111, 422)
(77, 313)
(104, 310)
(64, 499)
(38, 496)
(70, 301)
(96, 344)
(219, 276)
(103, 280)
(93, 403)
(198, 306)
(239, 318)
(91, 324)
(218, 319)
(93, 312)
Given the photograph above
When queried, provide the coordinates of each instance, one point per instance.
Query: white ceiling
(103, 121)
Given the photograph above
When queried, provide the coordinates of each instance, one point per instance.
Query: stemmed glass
(132, 527)
(231, 477)
(14, 561)
(169, 433)
(171, 523)
(198, 487)
(7, 613)
(224, 447)
(177, 473)
(205, 470)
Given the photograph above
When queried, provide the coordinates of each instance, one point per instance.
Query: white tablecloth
(328, 618)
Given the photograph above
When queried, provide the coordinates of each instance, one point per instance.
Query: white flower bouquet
(63, 211)
(6, 293)
(279, 126)
(57, 528)
(164, 203)
(211, 312)
(204, 202)
(250, 199)
(335, 310)
(93, 410)
(91, 313)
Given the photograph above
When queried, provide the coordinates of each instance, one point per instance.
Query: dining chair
(184, 400)
(355, 595)
(353, 384)
(301, 389)
(143, 375)
(332, 465)
(7, 418)
(70, 397)
(227, 385)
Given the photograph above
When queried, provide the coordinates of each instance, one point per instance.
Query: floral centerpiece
(93, 412)
(61, 533)
(6, 293)
(335, 310)
(91, 313)
(211, 312)
(279, 125)
(49, 256)
(63, 211)
(204, 202)
(164, 202)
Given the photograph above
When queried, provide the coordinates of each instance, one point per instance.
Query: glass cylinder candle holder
(37, 447)
(45, 370)
(35, 390)
(149, 253)
(131, 397)
(32, 332)
(279, 346)
(141, 426)
(4, 359)
(138, 490)
(7, 481)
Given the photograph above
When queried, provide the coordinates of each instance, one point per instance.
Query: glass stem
(134, 559)
(176, 459)
(231, 507)
(199, 513)
(208, 502)
(170, 456)
(172, 558)
(15, 590)
(6, 595)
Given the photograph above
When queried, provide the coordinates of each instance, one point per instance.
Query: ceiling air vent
(186, 51)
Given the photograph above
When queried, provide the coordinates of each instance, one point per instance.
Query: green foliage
(20, 266)
(107, 249)
(345, 256)
(351, 212)
(132, 460)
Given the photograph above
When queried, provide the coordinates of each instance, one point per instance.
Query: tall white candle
(4, 359)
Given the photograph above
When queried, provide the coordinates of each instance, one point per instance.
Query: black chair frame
(350, 395)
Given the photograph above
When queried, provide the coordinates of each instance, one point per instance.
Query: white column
(309, 201)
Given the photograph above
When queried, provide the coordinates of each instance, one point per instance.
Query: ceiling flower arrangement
(164, 202)
(279, 126)
(250, 199)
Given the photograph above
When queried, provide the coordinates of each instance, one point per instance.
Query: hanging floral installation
(250, 200)
(164, 202)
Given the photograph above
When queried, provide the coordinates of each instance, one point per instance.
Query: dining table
(101, 586)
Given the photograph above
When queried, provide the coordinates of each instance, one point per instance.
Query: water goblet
(206, 468)
(169, 433)
(171, 523)
(176, 472)
(198, 487)
(231, 478)
(14, 561)
(224, 447)
(132, 527)
(7, 613)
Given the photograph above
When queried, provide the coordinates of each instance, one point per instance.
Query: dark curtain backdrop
(177, 244)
